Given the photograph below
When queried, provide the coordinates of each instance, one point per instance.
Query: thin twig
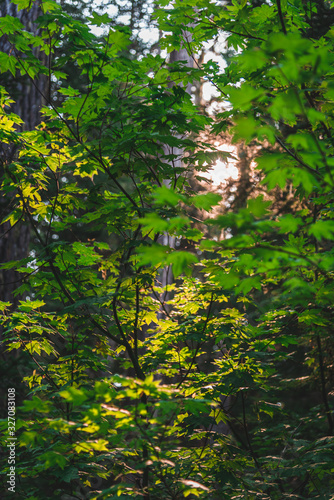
(281, 17)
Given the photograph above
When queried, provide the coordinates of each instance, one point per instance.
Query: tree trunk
(14, 241)
(166, 239)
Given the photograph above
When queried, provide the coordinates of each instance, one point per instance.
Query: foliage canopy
(126, 389)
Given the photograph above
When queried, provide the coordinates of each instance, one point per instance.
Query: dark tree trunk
(14, 241)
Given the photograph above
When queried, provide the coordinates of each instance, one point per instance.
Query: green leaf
(243, 97)
(322, 229)
(4, 305)
(206, 201)
(98, 19)
(167, 196)
(30, 305)
(87, 254)
(50, 6)
(74, 395)
(52, 459)
(246, 128)
(36, 404)
(152, 255)
(181, 262)
(258, 207)
(23, 4)
(289, 223)
(153, 224)
(90, 446)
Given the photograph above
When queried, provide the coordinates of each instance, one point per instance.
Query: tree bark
(14, 241)
(166, 239)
